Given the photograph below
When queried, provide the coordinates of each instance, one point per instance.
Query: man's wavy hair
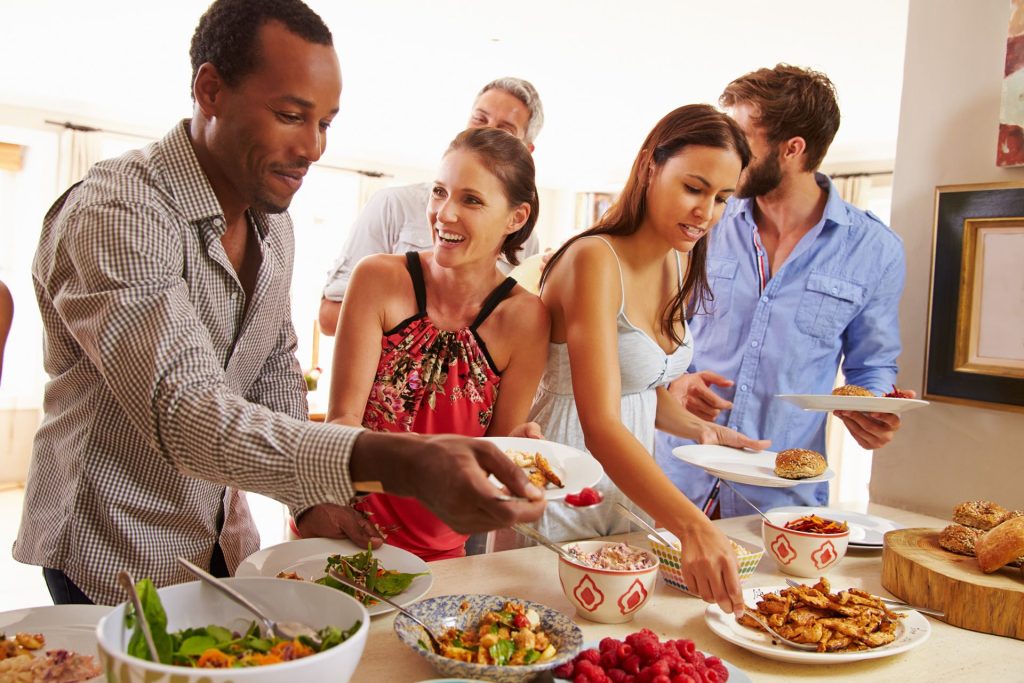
(227, 35)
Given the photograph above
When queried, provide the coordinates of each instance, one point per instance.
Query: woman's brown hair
(693, 124)
(505, 155)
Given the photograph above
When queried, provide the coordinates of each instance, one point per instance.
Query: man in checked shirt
(802, 281)
(163, 280)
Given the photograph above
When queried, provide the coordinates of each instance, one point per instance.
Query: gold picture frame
(975, 348)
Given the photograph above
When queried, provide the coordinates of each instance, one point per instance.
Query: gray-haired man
(394, 220)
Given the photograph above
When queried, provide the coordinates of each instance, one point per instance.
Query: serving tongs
(890, 602)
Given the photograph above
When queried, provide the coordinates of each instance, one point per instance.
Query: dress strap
(412, 261)
(493, 299)
(622, 282)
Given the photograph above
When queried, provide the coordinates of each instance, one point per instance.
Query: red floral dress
(430, 381)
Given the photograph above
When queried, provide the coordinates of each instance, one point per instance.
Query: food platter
(912, 631)
(866, 531)
(741, 466)
(577, 469)
(866, 404)
(65, 627)
(308, 557)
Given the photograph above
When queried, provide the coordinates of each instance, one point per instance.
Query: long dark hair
(694, 124)
(505, 155)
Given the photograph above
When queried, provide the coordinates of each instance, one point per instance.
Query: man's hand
(339, 521)
(872, 430)
(693, 390)
(449, 475)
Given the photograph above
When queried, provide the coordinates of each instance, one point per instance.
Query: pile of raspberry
(643, 658)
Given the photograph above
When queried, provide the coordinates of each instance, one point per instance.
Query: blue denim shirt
(835, 298)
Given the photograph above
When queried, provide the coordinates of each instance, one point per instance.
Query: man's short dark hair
(227, 34)
(790, 102)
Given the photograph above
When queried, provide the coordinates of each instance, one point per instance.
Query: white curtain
(853, 189)
(78, 151)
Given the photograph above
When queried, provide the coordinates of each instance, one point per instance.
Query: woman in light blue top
(618, 295)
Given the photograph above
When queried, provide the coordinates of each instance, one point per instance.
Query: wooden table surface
(950, 654)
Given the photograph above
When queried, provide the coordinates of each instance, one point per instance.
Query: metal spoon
(289, 630)
(747, 501)
(633, 517)
(341, 578)
(128, 585)
(895, 604)
(764, 624)
(536, 536)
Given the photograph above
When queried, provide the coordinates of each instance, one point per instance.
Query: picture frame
(975, 346)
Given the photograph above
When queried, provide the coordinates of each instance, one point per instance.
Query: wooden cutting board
(917, 569)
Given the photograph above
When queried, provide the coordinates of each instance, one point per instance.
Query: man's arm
(871, 347)
(374, 232)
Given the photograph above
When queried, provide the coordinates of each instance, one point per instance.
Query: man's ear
(519, 217)
(794, 147)
(208, 89)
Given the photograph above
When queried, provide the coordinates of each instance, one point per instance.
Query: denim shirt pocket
(828, 305)
(721, 279)
(413, 236)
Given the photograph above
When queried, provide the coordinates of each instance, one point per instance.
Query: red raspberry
(582, 678)
(684, 678)
(661, 679)
(686, 648)
(631, 664)
(648, 649)
(624, 650)
(710, 676)
(608, 644)
(616, 675)
(563, 670)
(609, 660)
(591, 655)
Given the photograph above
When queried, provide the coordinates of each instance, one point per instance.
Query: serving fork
(895, 604)
(775, 634)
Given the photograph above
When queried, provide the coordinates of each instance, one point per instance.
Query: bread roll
(1002, 545)
(980, 514)
(799, 463)
(957, 538)
(851, 390)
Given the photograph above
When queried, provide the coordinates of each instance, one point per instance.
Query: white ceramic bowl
(197, 604)
(801, 553)
(609, 596)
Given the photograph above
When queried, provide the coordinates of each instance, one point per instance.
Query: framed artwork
(975, 351)
(1010, 149)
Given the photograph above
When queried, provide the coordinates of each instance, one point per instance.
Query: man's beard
(761, 177)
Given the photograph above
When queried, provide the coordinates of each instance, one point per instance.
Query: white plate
(743, 467)
(735, 675)
(574, 467)
(308, 557)
(912, 630)
(866, 531)
(65, 627)
(866, 404)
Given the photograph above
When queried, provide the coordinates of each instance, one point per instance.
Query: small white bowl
(197, 604)
(801, 553)
(609, 596)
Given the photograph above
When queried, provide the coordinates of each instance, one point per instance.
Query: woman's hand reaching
(716, 434)
(709, 566)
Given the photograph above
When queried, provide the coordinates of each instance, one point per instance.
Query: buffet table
(950, 654)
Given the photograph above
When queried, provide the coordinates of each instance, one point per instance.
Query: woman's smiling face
(468, 211)
(686, 195)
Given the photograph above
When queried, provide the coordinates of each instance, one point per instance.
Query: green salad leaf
(365, 570)
(502, 651)
(156, 618)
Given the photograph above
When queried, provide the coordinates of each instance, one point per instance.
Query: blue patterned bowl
(464, 612)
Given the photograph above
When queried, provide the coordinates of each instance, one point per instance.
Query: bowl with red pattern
(801, 553)
(607, 582)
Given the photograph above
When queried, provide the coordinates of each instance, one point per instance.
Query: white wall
(948, 126)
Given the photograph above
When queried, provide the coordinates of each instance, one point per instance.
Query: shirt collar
(835, 208)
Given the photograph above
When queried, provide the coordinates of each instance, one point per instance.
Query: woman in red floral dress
(441, 342)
